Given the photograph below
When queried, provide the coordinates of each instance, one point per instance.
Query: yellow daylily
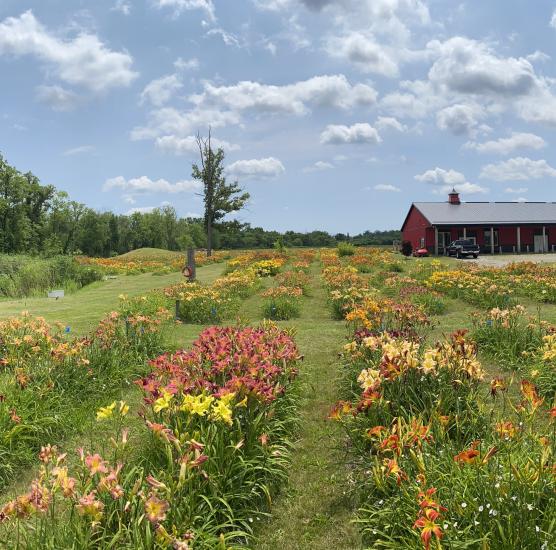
(106, 412)
(163, 402)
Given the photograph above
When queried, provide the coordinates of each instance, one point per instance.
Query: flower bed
(47, 376)
(217, 424)
(281, 303)
(437, 461)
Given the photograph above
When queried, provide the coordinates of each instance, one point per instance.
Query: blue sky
(334, 114)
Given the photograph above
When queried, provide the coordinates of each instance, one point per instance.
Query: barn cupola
(453, 197)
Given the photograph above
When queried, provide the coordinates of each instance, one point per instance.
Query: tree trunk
(209, 238)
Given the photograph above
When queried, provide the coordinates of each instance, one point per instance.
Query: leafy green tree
(220, 198)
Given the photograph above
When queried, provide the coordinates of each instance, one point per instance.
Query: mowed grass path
(313, 509)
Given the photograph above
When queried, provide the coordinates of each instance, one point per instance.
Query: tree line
(39, 219)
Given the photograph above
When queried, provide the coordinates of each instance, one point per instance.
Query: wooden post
(191, 264)
(177, 313)
(518, 239)
(492, 240)
(436, 241)
(544, 248)
(465, 232)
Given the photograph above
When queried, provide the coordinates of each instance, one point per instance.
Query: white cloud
(319, 91)
(144, 184)
(387, 188)
(160, 91)
(58, 98)
(272, 5)
(506, 146)
(185, 5)
(518, 191)
(271, 47)
(187, 146)
(518, 169)
(448, 180)
(460, 118)
(538, 56)
(171, 122)
(553, 20)
(141, 210)
(123, 6)
(219, 106)
(390, 123)
(467, 187)
(358, 133)
(82, 61)
(471, 67)
(228, 38)
(319, 166)
(256, 168)
(364, 52)
(186, 64)
(79, 150)
(520, 199)
(441, 176)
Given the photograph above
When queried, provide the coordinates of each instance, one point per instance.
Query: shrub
(201, 304)
(281, 303)
(28, 276)
(345, 249)
(407, 248)
(430, 302)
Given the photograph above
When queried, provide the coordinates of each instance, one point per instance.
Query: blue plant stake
(213, 312)
(489, 322)
(67, 330)
(273, 311)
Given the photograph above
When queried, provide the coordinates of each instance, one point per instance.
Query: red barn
(495, 226)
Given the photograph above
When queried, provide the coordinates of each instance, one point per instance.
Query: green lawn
(83, 309)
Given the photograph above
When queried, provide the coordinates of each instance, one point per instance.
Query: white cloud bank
(359, 133)
(81, 61)
(144, 184)
(518, 169)
(256, 168)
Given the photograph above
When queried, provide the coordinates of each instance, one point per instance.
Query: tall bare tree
(220, 198)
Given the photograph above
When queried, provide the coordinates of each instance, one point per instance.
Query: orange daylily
(426, 523)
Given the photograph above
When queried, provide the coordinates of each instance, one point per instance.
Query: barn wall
(507, 235)
(551, 230)
(527, 234)
(416, 228)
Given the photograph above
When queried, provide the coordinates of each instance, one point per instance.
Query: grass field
(317, 506)
(83, 309)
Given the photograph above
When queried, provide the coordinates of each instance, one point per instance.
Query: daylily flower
(106, 412)
(95, 464)
(155, 509)
(90, 507)
(426, 523)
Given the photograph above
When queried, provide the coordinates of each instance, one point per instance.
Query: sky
(334, 114)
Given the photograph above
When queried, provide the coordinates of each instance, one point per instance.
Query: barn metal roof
(488, 213)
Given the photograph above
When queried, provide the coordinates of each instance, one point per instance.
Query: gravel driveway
(504, 259)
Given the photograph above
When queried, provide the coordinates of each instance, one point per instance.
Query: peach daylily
(156, 509)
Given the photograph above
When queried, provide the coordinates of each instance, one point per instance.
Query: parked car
(462, 248)
(420, 252)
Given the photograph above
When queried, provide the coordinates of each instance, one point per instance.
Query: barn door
(538, 243)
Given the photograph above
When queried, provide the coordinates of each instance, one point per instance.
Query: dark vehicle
(462, 248)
